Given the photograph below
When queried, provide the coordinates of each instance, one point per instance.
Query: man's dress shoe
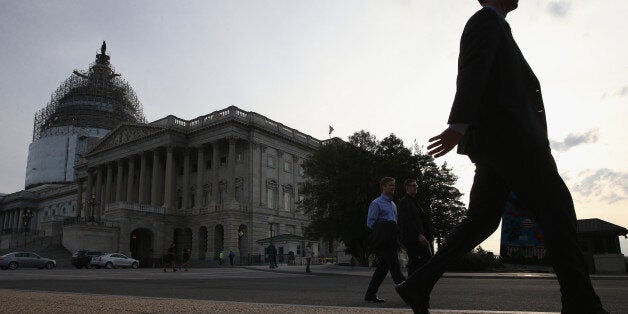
(416, 301)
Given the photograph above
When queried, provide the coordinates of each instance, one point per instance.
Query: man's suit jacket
(413, 221)
(497, 94)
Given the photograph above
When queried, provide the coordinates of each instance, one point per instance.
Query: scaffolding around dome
(97, 98)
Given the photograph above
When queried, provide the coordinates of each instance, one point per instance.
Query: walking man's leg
(543, 192)
(487, 200)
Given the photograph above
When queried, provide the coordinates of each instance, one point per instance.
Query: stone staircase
(45, 247)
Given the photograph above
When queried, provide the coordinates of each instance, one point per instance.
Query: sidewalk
(331, 269)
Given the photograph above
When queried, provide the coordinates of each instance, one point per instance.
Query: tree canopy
(343, 179)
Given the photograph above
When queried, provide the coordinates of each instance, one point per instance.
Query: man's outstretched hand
(444, 142)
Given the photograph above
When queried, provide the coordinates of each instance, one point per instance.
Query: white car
(114, 260)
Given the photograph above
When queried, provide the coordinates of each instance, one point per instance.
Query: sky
(385, 66)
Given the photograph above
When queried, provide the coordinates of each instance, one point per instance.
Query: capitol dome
(89, 104)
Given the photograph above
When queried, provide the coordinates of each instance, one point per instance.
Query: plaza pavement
(28, 301)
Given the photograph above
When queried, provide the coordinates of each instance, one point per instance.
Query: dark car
(82, 259)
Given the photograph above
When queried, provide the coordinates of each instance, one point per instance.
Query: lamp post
(271, 250)
(92, 201)
(240, 235)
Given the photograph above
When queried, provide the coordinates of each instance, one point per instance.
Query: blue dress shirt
(381, 209)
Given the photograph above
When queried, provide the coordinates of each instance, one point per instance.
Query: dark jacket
(385, 235)
(413, 221)
(497, 94)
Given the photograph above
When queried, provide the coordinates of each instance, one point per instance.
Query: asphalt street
(326, 287)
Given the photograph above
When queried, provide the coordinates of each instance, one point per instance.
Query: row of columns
(159, 182)
(11, 219)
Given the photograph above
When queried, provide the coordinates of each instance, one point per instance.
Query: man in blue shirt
(382, 219)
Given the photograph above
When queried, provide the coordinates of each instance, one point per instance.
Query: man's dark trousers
(533, 177)
(418, 255)
(386, 244)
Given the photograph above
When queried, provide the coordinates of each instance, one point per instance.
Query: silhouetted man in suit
(498, 120)
(382, 219)
(416, 230)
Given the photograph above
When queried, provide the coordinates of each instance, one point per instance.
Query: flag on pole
(331, 129)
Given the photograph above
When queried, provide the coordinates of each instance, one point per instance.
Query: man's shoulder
(485, 15)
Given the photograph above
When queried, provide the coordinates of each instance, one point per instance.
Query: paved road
(327, 287)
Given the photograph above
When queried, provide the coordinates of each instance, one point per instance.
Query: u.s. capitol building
(100, 177)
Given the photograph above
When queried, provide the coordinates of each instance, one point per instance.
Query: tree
(343, 178)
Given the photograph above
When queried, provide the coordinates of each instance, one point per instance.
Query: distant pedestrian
(272, 256)
(170, 258)
(416, 230)
(308, 257)
(382, 219)
(221, 255)
(186, 259)
(231, 257)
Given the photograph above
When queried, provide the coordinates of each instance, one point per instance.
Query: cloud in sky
(604, 184)
(572, 140)
(559, 8)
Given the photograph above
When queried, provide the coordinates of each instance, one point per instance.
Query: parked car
(114, 260)
(82, 259)
(25, 259)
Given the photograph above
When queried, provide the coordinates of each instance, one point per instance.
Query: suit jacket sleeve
(478, 48)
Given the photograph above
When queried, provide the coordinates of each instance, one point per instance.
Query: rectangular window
(194, 167)
(271, 161)
(271, 198)
(287, 166)
(301, 170)
(208, 164)
(223, 161)
(287, 201)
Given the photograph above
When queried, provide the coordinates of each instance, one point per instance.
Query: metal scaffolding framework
(97, 98)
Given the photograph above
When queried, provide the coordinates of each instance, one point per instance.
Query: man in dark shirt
(382, 218)
(416, 231)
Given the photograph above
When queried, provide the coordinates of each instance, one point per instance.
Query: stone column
(215, 172)
(79, 198)
(2, 219)
(98, 204)
(89, 193)
(119, 178)
(14, 221)
(130, 184)
(231, 163)
(108, 184)
(154, 185)
(186, 179)
(168, 194)
(20, 217)
(141, 189)
(200, 173)
(279, 168)
(262, 173)
(10, 221)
